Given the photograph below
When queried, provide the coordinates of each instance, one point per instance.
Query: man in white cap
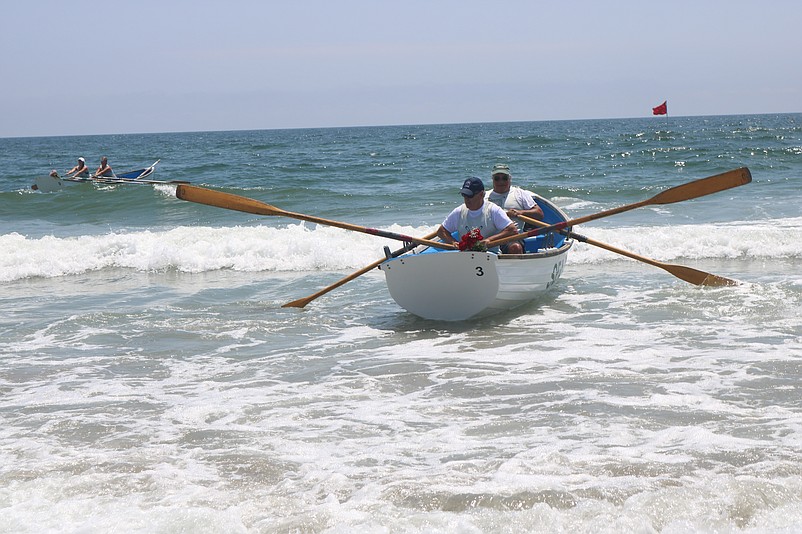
(79, 171)
(475, 213)
(514, 201)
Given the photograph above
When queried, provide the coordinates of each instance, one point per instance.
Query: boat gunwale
(542, 253)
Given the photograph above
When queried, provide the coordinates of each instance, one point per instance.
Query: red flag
(662, 109)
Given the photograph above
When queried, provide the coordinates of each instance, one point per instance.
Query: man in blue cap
(490, 220)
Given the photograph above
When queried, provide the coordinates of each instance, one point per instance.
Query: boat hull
(455, 286)
(49, 184)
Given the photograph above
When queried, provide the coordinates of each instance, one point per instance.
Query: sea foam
(304, 247)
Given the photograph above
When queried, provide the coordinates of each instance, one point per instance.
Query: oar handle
(531, 233)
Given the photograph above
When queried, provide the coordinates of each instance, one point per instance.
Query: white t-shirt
(514, 199)
(490, 219)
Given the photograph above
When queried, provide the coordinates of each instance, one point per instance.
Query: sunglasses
(501, 178)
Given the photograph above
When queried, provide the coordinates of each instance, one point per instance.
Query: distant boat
(49, 184)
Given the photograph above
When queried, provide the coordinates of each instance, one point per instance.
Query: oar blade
(300, 303)
(697, 277)
(688, 274)
(714, 280)
(703, 187)
(201, 195)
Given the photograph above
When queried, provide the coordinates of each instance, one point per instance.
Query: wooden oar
(138, 181)
(300, 303)
(689, 274)
(151, 168)
(219, 199)
(691, 190)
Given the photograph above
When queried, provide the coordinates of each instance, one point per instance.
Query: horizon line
(644, 117)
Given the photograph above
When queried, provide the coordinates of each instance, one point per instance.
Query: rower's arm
(445, 235)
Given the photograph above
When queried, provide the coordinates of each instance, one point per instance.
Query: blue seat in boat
(549, 240)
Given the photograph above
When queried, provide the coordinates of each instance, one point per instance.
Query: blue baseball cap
(471, 186)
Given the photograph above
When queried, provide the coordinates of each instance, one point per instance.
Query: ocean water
(150, 380)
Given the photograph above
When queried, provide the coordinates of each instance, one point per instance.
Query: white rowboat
(49, 184)
(443, 284)
(455, 286)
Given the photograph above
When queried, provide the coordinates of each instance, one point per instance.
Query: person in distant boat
(79, 171)
(104, 169)
(475, 213)
(515, 202)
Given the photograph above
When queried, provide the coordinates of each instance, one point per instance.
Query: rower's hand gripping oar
(219, 199)
(691, 190)
(300, 303)
(689, 274)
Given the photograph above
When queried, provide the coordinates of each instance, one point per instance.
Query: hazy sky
(92, 67)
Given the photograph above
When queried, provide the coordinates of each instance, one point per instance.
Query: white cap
(81, 160)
